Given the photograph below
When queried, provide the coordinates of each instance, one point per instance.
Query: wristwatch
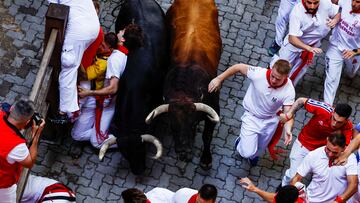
(356, 51)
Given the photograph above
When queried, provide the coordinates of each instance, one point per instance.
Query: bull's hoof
(206, 161)
(206, 166)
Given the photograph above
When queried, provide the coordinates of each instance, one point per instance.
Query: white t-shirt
(183, 195)
(18, 154)
(83, 22)
(310, 30)
(327, 182)
(346, 34)
(160, 195)
(263, 101)
(115, 66)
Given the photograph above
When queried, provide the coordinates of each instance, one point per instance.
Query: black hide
(140, 86)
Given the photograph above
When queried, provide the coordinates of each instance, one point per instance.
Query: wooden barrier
(56, 19)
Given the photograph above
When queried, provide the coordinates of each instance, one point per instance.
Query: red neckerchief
(306, 59)
(307, 12)
(355, 11)
(331, 162)
(193, 198)
(123, 49)
(148, 201)
(268, 79)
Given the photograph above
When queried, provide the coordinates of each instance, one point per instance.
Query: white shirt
(310, 30)
(160, 195)
(262, 101)
(183, 195)
(18, 153)
(327, 182)
(346, 34)
(115, 66)
(83, 22)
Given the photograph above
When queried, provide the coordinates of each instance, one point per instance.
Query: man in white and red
(97, 113)
(310, 22)
(344, 47)
(281, 24)
(269, 91)
(14, 154)
(330, 183)
(325, 121)
(45, 190)
(82, 29)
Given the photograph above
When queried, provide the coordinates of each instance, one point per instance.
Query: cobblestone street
(247, 29)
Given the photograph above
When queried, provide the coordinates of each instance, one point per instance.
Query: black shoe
(59, 119)
(273, 49)
(5, 107)
(253, 162)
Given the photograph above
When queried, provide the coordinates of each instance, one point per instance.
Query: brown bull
(195, 55)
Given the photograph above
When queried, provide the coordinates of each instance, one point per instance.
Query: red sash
(275, 139)
(100, 136)
(306, 58)
(90, 52)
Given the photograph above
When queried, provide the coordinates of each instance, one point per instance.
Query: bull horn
(156, 142)
(159, 110)
(212, 115)
(105, 146)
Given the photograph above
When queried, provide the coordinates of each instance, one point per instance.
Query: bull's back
(195, 33)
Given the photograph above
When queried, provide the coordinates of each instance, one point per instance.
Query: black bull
(141, 83)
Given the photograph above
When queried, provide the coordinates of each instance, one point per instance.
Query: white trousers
(71, 56)
(294, 59)
(84, 127)
(255, 135)
(297, 155)
(334, 64)
(282, 19)
(8, 195)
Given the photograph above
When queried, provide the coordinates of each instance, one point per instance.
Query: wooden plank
(38, 95)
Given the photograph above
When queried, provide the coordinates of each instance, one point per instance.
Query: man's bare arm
(352, 147)
(352, 187)
(248, 185)
(296, 178)
(299, 103)
(215, 83)
(288, 126)
(295, 41)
